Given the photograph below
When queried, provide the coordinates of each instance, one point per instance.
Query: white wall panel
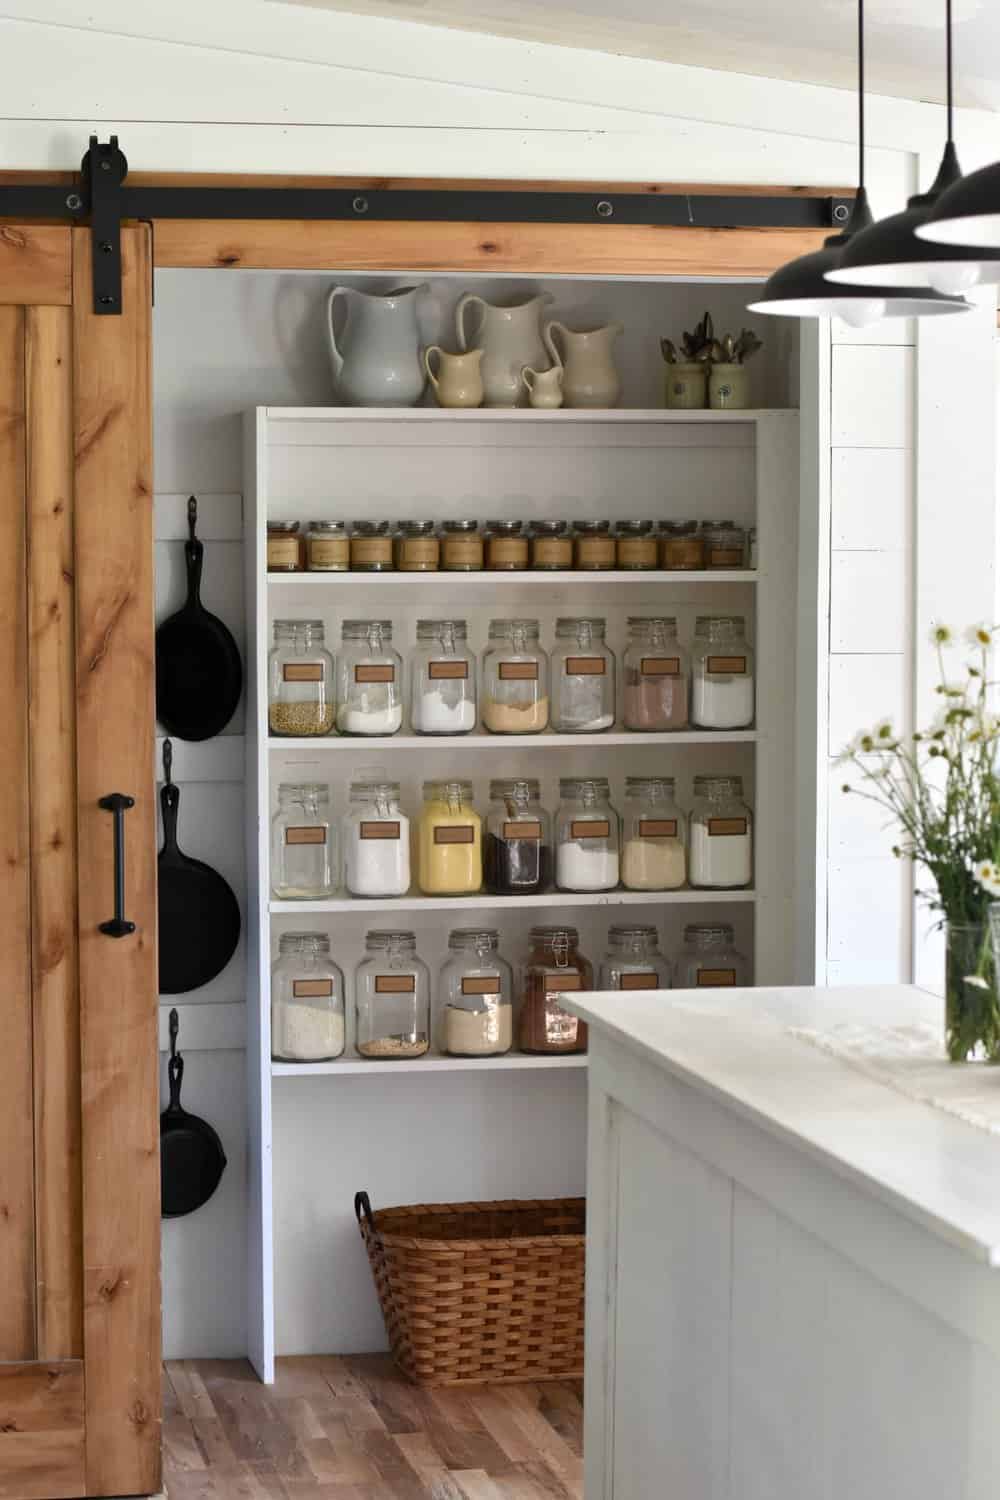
(868, 602)
(868, 911)
(858, 828)
(871, 498)
(864, 689)
(873, 393)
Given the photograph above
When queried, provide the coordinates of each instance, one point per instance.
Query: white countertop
(734, 1044)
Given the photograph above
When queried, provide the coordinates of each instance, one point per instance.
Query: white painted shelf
(480, 740)
(416, 902)
(431, 1063)
(563, 417)
(489, 581)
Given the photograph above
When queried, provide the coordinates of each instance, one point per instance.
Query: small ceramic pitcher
(728, 387)
(544, 387)
(685, 386)
(459, 380)
(591, 376)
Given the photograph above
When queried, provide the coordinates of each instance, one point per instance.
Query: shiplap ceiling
(811, 41)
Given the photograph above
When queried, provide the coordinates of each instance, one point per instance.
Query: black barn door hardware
(103, 199)
(118, 804)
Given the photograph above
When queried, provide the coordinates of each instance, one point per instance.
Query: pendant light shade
(967, 214)
(804, 287)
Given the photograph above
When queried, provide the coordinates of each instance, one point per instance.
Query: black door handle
(118, 804)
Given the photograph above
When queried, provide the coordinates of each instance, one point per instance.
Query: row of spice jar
(520, 688)
(518, 849)
(506, 546)
(476, 990)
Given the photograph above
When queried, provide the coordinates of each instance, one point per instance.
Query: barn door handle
(118, 804)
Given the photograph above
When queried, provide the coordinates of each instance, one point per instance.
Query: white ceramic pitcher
(376, 357)
(510, 338)
(591, 377)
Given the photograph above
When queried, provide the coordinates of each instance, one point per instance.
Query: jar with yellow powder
(450, 844)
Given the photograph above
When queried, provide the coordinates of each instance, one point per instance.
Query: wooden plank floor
(350, 1428)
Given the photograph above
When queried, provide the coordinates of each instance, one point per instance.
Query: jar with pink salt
(657, 675)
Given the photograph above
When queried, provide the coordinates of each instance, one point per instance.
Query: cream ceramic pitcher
(457, 380)
(510, 338)
(591, 377)
(376, 356)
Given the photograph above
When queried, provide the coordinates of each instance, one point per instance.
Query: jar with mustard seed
(506, 546)
(593, 546)
(416, 547)
(328, 549)
(461, 547)
(551, 546)
(284, 547)
(682, 546)
(635, 545)
(371, 547)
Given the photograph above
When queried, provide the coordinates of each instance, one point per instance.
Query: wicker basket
(477, 1292)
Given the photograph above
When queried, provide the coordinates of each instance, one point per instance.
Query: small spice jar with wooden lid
(635, 545)
(551, 546)
(593, 546)
(682, 546)
(328, 548)
(371, 547)
(284, 547)
(461, 547)
(417, 547)
(506, 546)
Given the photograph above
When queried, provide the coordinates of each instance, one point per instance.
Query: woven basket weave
(477, 1292)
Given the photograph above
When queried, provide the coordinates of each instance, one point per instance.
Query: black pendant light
(800, 289)
(890, 254)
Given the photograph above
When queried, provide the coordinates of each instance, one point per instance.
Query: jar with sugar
(654, 857)
(722, 674)
(392, 999)
(303, 843)
(300, 680)
(476, 995)
(587, 836)
(583, 678)
(450, 841)
(721, 850)
(369, 679)
(634, 961)
(442, 679)
(307, 1000)
(376, 839)
(657, 676)
(709, 960)
(517, 853)
(515, 679)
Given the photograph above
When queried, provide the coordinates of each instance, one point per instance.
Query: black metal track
(103, 199)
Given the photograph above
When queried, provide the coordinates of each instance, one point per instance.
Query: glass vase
(972, 1006)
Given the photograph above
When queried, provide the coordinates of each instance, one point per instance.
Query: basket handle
(363, 1208)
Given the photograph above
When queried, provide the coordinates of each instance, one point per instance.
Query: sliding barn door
(79, 1171)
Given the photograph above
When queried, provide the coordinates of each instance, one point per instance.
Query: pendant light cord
(861, 94)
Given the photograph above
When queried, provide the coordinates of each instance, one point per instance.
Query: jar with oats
(551, 546)
(307, 1000)
(476, 995)
(284, 547)
(328, 549)
(515, 679)
(461, 547)
(371, 547)
(392, 998)
(506, 546)
(634, 961)
(300, 680)
(417, 547)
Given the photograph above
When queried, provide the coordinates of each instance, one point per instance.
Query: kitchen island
(793, 1274)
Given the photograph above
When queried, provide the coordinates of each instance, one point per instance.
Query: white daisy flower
(987, 875)
(979, 634)
(941, 635)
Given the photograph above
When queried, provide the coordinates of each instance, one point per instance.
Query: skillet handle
(117, 803)
(175, 1077)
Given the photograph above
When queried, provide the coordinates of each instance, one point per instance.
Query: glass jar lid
(505, 528)
(677, 528)
(374, 791)
(479, 939)
(548, 528)
(719, 627)
(633, 528)
(515, 789)
(303, 942)
(591, 528)
(718, 525)
(448, 791)
(506, 630)
(329, 528)
(584, 625)
(626, 934)
(555, 937)
(650, 787)
(642, 626)
(717, 788)
(704, 935)
(387, 940)
(361, 630)
(572, 788)
(304, 792)
(416, 528)
(304, 632)
(369, 528)
(284, 527)
(459, 526)
(436, 630)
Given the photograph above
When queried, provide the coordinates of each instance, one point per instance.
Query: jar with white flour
(722, 674)
(587, 836)
(442, 679)
(721, 851)
(307, 1000)
(369, 679)
(376, 839)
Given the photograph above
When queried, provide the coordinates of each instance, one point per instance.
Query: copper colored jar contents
(461, 547)
(555, 966)
(635, 545)
(371, 547)
(682, 547)
(593, 546)
(657, 675)
(417, 548)
(551, 546)
(506, 547)
(284, 547)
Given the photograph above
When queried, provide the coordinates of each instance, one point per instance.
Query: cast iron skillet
(192, 1160)
(199, 675)
(199, 915)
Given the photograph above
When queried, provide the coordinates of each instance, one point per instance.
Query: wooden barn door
(79, 1173)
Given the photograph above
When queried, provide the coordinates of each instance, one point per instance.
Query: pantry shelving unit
(305, 462)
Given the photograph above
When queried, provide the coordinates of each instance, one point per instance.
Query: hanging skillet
(192, 1160)
(199, 675)
(199, 915)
